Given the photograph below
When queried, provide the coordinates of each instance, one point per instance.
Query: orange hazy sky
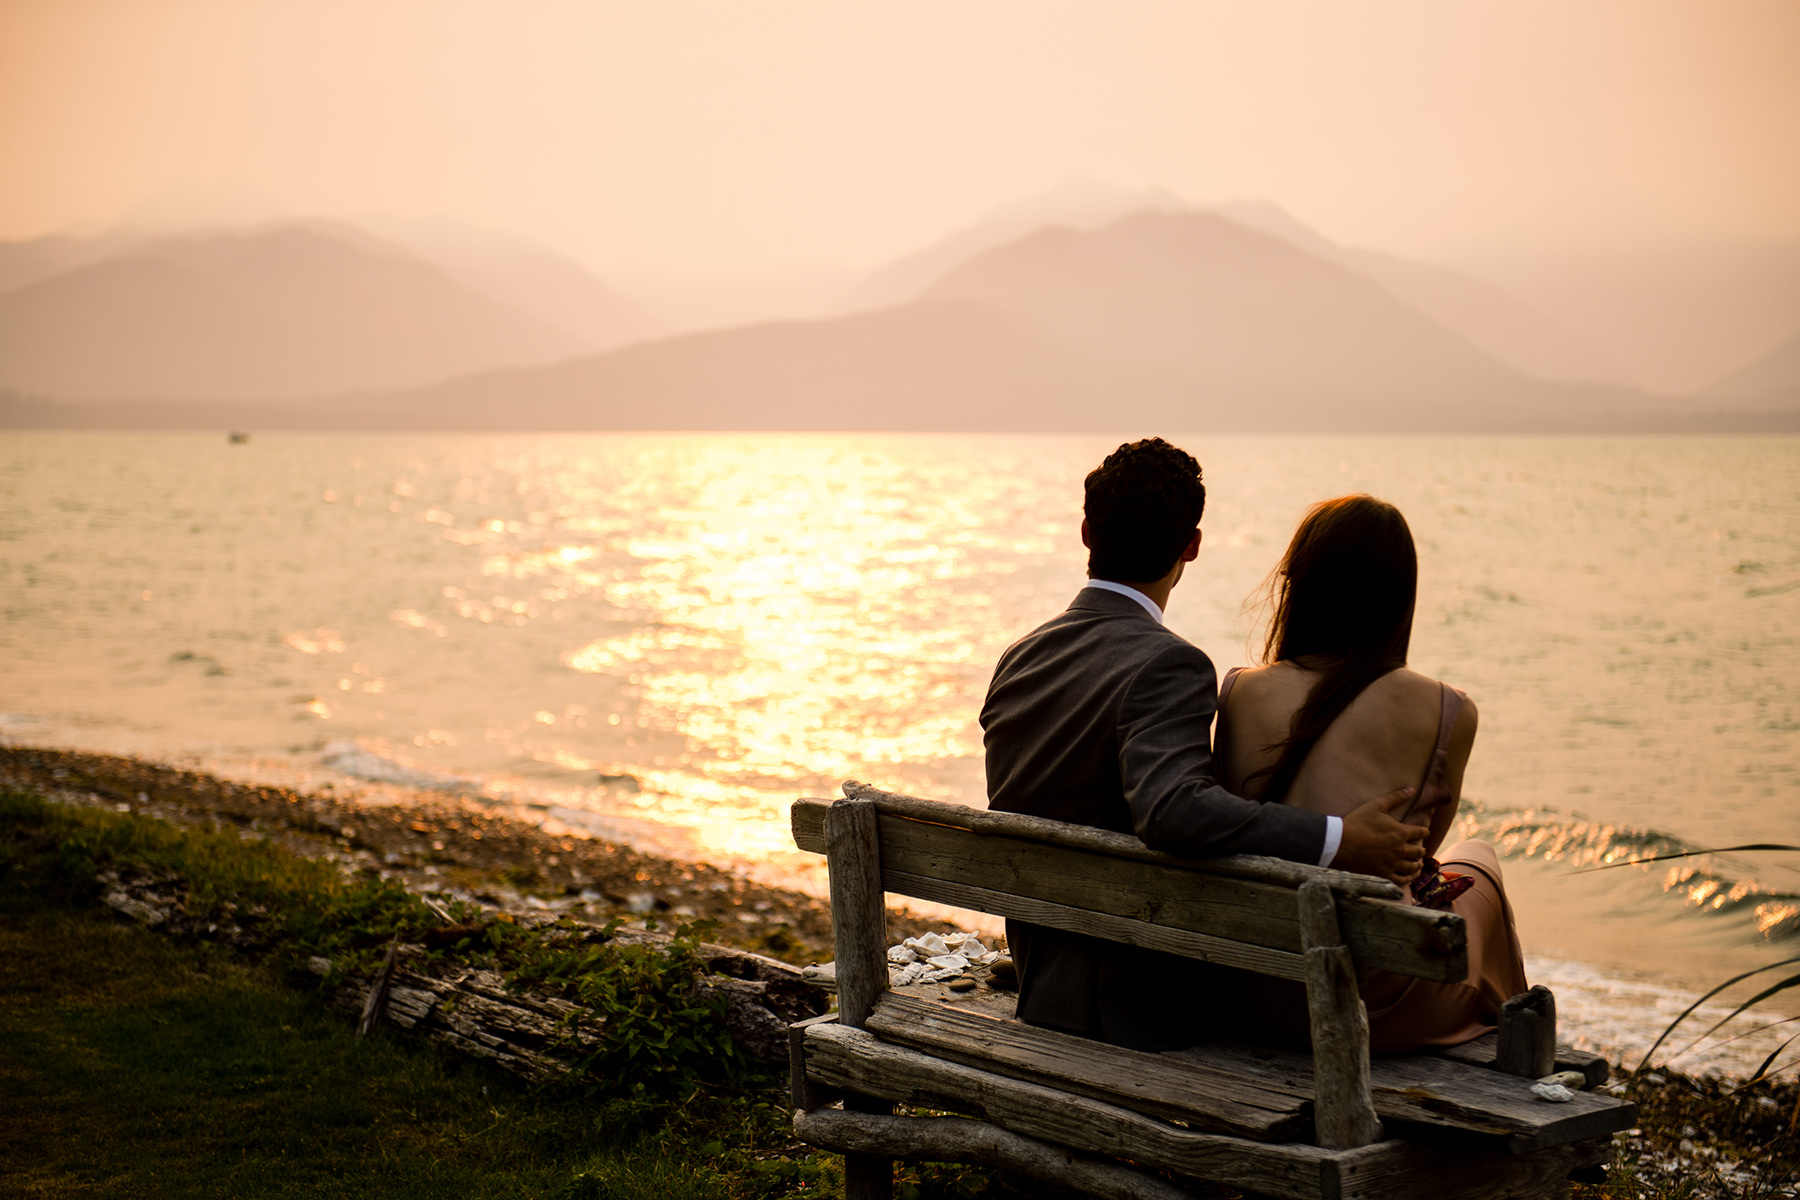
(749, 136)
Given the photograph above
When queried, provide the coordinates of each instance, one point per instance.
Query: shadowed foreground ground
(1698, 1137)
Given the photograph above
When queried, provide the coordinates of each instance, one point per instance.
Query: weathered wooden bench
(1122, 1123)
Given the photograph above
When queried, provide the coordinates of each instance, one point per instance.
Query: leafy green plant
(646, 1024)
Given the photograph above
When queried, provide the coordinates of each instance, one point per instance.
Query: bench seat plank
(1207, 1099)
(1484, 1051)
(1142, 897)
(1426, 1090)
(1239, 1086)
(856, 1060)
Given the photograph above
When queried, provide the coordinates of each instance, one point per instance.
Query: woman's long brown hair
(1343, 596)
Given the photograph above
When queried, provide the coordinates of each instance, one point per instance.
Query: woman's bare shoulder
(1409, 677)
(1272, 679)
(1402, 699)
(1405, 684)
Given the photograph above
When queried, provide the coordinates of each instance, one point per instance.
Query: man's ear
(1193, 548)
(1084, 534)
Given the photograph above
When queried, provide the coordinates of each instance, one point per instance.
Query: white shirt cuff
(1334, 837)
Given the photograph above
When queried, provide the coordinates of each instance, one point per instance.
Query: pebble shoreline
(435, 845)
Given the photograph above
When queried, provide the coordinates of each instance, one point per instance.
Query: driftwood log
(472, 1010)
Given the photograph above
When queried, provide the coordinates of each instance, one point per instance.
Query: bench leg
(1345, 1112)
(868, 1176)
(859, 919)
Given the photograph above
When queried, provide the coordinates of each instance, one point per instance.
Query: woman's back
(1386, 737)
(1383, 740)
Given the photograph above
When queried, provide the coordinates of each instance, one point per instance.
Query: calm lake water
(667, 638)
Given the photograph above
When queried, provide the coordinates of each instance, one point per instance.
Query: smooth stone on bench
(964, 984)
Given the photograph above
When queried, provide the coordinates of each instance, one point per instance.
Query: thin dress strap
(1450, 707)
(1434, 887)
(1225, 684)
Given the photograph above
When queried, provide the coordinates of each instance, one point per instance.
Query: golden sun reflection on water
(806, 620)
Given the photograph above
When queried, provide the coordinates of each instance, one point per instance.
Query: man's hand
(1378, 840)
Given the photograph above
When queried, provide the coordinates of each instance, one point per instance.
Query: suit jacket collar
(1094, 599)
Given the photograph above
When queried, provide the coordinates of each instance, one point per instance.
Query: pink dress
(1407, 1014)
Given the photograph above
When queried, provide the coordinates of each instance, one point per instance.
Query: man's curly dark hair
(1142, 507)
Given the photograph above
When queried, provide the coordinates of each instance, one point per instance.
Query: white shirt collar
(1107, 585)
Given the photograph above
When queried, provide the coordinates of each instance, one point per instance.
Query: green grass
(134, 1065)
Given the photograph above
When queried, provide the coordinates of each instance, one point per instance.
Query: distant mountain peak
(1078, 202)
(1265, 216)
(1081, 200)
(279, 308)
(1776, 373)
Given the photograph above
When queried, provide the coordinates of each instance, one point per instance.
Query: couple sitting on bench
(1334, 753)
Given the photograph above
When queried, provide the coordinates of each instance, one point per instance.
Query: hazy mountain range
(287, 311)
(1135, 312)
(1773, 376)
(1480, 312)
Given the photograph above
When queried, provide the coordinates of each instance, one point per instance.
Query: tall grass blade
(1688, 1011)
(1746, 1033)
(1762, 1072)
(1753, 1001)
(1655, 858)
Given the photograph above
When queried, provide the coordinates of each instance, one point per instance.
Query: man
(1103, 717)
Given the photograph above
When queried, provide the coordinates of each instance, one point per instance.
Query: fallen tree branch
(530, 1032)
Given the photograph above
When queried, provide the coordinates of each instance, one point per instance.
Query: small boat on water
(237, 437)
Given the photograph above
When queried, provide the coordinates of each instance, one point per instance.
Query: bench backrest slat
(1147, 900)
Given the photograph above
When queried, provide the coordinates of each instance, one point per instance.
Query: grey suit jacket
(1102, 716)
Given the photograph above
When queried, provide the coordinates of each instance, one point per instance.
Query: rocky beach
(464, 848)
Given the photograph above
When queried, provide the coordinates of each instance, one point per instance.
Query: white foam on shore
(350, 759)
(1622, 1019)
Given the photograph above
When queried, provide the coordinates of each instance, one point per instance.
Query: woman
(1337, 713)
